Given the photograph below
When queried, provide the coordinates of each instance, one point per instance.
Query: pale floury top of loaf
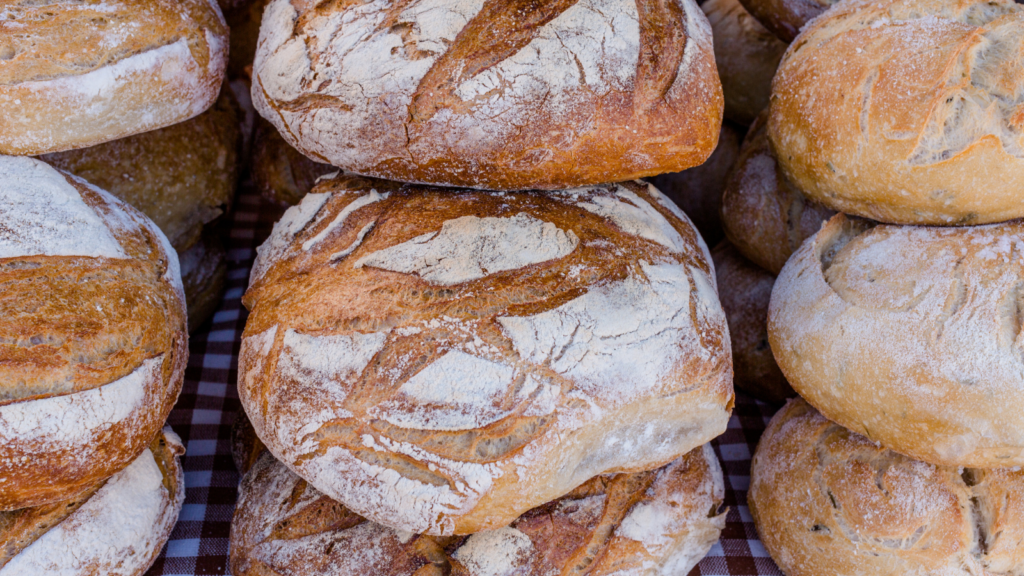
(492, 93)
(442, 361)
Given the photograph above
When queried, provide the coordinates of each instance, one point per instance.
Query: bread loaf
(135, 66)
(442, 361)
(826, 500)
(764, 215)
(504, 95)
(906, 112)
(745, 291)
(93, 343)
(910, 336)
(116, 528)
(645, 524)
(281, 173)
(785, 18)
(746, 55)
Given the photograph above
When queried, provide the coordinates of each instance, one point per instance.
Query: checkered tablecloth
(209, 402)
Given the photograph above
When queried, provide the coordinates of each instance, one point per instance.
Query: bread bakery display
(498, 95)
(746, 55)
(117, 527)
(76, 74)
(92, 333)
(281, 173)
(826, 500)
(441, 361)
(745, 290)
(764, 215)
(905, 111)
(698, 190)
(785, 18)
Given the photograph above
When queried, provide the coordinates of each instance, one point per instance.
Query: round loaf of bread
(785, 18)
(92, 333)
(653, 523)
(442, 361)
(764, 215)
(906, 112)
(698, 190)
(496, 95)
(910, 336)
(746, 55)
(745, 291)
(281, 173)
(116, 528)
(135, 66)
(826, 500)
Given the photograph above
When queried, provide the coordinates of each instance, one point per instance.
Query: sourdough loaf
(660, 523)
(92, 333)
(910, 336)
(785, 18)
(116, 528)
(441, 361)
(826, 500)
(136, 65)
(502, 94)
(764, 215)
(906, 112)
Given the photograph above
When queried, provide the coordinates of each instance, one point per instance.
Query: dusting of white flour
(495, 552)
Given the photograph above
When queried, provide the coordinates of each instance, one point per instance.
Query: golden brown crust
(281, 173)
(413, 289)
(745, 291)
(284, 526)
(489, 95)
(137, 65)
(785, 18)
(906, 112)
(746, 55)
(828, 501)
(698, 190)
(764, 215)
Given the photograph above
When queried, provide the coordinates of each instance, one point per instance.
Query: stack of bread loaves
(93, 338)
(495, 362)
(903, 333)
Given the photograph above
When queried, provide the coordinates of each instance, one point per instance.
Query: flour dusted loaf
(660, 522)
(745, 291)
(442, 361)
(92, 333)
(135, 65)
(910, 336)
(906, 112)
(116, 528)
(785, 18)
(502, 94)
(826, 500)
(746, 55)
(764, 215)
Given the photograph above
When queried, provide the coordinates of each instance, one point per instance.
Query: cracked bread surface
(906, 112)
(92, 333)
(135, 66)
(115, 528)
(910, 336)
(826, 500)
(660, 522)
(495, 94)
(442, 361)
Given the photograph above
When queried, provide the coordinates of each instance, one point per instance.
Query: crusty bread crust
(496, 94)
(92, 333)
(442, 361)
(906, 112)
(785, 18)
(658, 523)
(116, 528)
(826, 500)
(910, 336)
(138, 65)
(745, 291)
(764, 215)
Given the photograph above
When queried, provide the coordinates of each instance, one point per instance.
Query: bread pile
(118, 148)
(898, 322)
(476, 343)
